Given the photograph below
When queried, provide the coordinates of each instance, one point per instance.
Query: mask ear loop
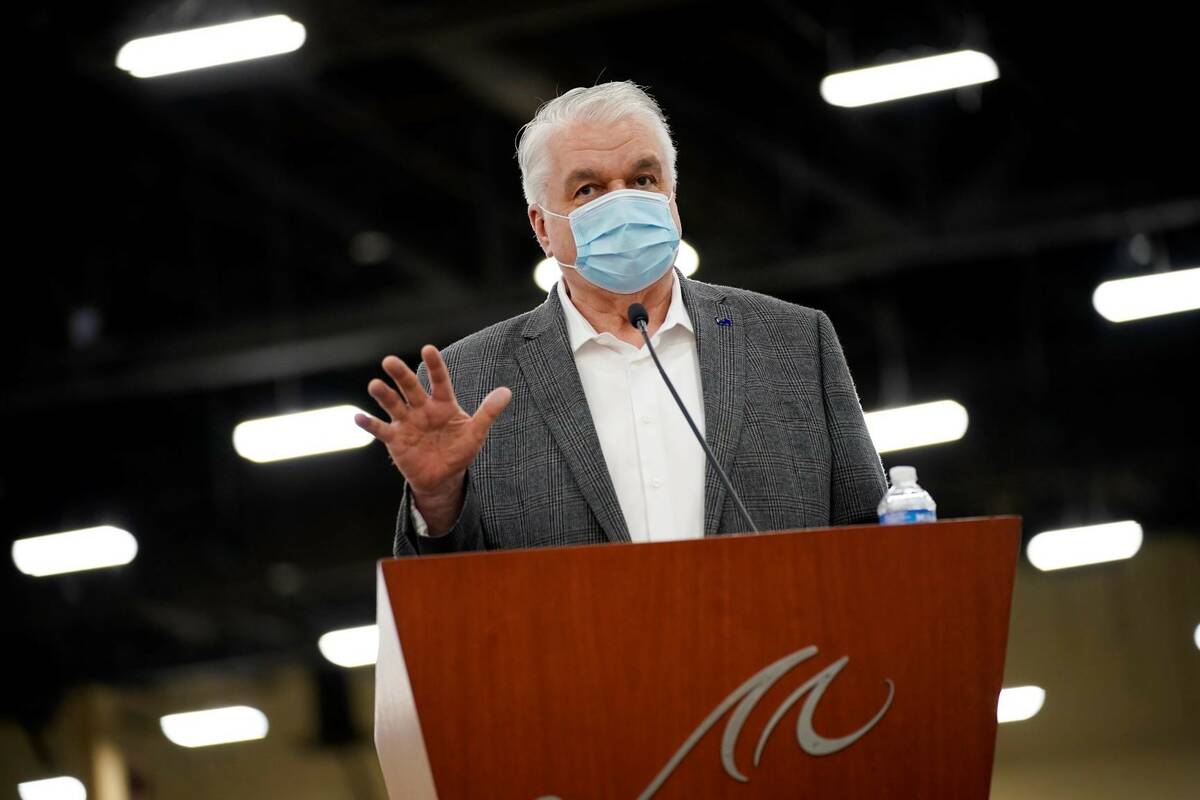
(551, 213)
(561, 216)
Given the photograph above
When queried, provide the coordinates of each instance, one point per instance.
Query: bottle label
(907, 517)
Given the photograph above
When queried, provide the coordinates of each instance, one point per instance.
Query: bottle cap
(903, 475)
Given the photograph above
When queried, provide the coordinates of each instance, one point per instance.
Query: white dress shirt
(656, 465)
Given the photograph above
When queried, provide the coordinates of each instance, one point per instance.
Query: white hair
(605, 103)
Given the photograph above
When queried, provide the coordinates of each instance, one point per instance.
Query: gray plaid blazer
(780, 409)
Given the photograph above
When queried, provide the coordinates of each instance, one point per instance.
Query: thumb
(496, 401)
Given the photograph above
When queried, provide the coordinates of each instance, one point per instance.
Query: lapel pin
(726, 321)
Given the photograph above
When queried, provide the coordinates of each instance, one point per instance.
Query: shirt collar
(580, 331)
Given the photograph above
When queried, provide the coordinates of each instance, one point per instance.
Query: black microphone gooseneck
(638, 319)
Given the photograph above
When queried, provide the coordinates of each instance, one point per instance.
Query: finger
(387, 398)
(491, 407)
(376, 427)
(406, 379)
(439, 376)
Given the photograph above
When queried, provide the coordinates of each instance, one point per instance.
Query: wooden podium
(857, 662)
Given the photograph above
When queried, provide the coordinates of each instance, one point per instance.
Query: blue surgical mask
(624, 240)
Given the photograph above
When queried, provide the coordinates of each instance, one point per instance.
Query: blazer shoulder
(770, 309)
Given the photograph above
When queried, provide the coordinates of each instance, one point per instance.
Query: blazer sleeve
(467, 533)
(856, 474)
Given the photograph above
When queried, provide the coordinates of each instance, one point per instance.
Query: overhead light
(1148, 295)
(207, 47)
(917, 426)
(215, 726)
(861, 87)
(546, 274)
(306, 433)
(1092, 544)
(351, 647)
(1019, 703)
(688, 260)
(63, 788)
(1196, 637)
(547, 271)
(74, 551)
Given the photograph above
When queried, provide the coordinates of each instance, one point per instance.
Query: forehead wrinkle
(649, 161)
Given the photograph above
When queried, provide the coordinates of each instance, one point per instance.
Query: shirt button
(646, 419)
(655, 482)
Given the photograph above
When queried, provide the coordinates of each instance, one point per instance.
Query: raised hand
(430, 438)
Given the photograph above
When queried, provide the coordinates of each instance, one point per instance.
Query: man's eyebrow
(647, 162)
(585, 173)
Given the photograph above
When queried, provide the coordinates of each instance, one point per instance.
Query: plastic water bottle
(906, 502)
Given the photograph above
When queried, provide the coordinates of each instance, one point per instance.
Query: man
(593, 448)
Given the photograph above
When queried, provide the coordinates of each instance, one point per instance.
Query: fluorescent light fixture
(210, 46)
(917, 426)
(1148, 295)
(351, 647)
(1196, 637)
(1019, 703)
(215, 726)
(547, 271)
(1092, 544)
(74, 551)
(307, 433)
(862, 87)
(52, 789)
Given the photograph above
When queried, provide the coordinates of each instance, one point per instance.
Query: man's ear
(537, 221)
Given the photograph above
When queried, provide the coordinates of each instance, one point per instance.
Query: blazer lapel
(548, 365)
(721, 350)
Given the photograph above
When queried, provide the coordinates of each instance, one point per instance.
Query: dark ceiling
(196, 250)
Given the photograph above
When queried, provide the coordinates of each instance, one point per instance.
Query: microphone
(638, 319)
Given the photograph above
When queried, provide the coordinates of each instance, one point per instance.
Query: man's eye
(584, 191)
(645, 180)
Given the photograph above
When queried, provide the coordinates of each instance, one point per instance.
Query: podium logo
(746, 697)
